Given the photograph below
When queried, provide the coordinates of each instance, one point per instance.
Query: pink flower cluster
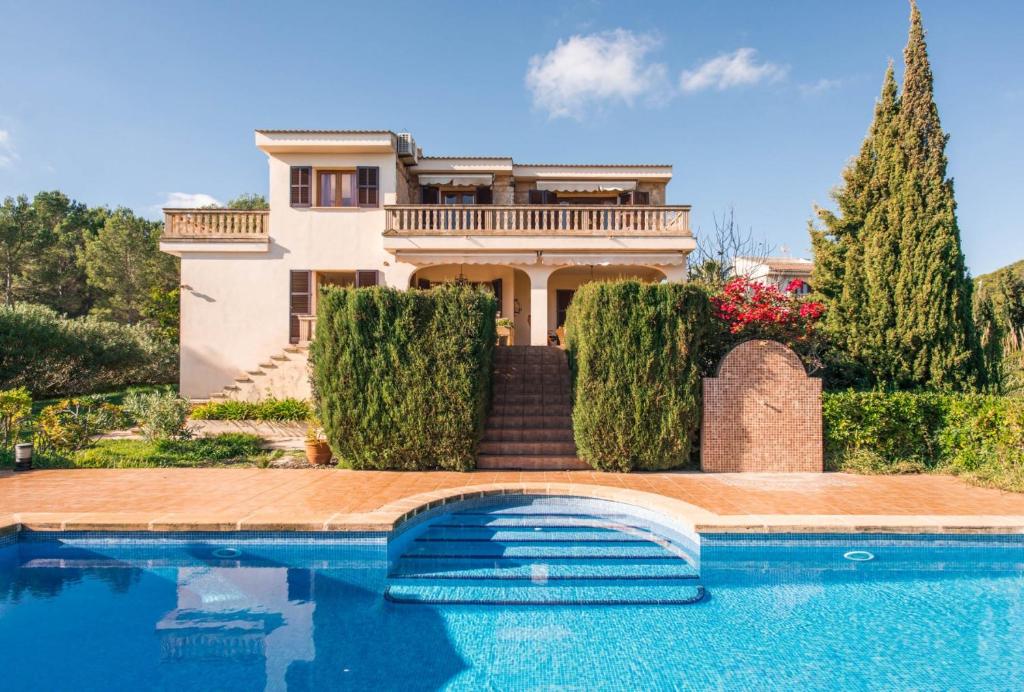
(744, 303)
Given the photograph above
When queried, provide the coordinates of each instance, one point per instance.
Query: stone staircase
(529, 427)
(284, 374)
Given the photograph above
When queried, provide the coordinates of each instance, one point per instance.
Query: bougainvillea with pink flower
(754, 310)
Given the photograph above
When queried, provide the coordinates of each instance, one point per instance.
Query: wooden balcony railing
(216, 224)
(486, 219)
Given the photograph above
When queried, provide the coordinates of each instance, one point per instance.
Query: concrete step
(530, 422)
(546, 399)
(528, 448)
(527, 435)
(279, 357)
(270, 365)
(532, 410)
(255, 373)
(530, 463)
(243, 379)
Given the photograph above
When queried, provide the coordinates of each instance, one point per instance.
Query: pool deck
(220, 499)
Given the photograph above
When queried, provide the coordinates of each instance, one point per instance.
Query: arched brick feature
(761, 413)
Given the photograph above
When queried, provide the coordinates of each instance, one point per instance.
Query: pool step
(543, 553)
(472, 592)
(540, 572)
(535, 534)
(541, 550)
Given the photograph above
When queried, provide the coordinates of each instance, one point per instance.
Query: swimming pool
(441, 605)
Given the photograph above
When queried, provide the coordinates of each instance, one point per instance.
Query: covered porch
(535, 290)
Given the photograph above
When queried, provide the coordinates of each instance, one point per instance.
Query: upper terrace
(452, 196)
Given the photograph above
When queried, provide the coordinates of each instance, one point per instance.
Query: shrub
(159, 415)
(15, 410)
(267, 409)
(636, 352)
(71, 424)
(52, 355)
(978, 436)
(899, 428)
(402, 378)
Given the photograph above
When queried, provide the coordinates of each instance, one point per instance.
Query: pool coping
(387, 517)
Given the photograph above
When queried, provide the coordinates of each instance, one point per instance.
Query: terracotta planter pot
(318, 453)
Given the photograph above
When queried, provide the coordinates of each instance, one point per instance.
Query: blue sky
(757, 104)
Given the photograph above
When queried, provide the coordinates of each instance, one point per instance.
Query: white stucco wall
(234, 306)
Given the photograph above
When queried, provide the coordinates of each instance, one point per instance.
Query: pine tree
(935, 341)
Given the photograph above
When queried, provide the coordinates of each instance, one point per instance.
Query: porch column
(539, 303)
(675, 273)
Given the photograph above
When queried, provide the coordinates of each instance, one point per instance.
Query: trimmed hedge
(976, 435)
(51, 355)
(266, 409)
(636, 352)
(402, 378)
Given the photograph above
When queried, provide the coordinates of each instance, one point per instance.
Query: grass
(230, 449)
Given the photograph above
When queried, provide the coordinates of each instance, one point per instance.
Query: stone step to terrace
(528, 448)
(530, 463)
(527, 435)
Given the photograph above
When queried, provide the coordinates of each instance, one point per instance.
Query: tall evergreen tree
(935, 336)
(853, 235)
(889, 262)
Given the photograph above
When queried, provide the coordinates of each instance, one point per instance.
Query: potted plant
(505, 327)
(318, 452)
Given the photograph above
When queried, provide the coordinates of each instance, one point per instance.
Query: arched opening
(511, 286)
(563, 283)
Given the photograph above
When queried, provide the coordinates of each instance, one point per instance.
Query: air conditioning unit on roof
(407, 148)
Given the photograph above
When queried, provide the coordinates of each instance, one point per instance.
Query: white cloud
(586, 70)
(728, 70)
(820, 86)
(8, 156)
(189, 200)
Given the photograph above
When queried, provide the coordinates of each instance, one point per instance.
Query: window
(430, 195)
(454, 197)
(300, 186)
(300, 294)
(367, 277)
(368, 177)
(336, 188)
(543, 197)
(641, 197)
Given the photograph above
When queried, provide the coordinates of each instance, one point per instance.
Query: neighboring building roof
(789, 264)
(324, 132)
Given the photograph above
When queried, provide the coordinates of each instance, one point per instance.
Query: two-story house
(364, 208)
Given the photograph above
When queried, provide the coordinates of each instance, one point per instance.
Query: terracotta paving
(224, 499)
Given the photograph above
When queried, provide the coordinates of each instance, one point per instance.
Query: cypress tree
(889, 263)
(846, 239)
(935, 341)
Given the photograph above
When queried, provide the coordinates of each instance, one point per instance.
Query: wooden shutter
(300, 300)
(484, 195)
(368, 180)
(496, 286)
(301, 186)
(641, 197)
(367, 277)
(536, 197)
(430, 195)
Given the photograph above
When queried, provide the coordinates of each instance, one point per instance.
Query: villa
(367, 208)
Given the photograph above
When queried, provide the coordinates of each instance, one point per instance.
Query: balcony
(213, 230)
(560, 220)
(215, 224)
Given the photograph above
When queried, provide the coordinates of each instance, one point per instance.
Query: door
(563, 296)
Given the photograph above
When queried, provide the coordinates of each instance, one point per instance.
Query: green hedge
(636, 352)
(976, 435)
(402, 378)
(51, 355)
(267, 409)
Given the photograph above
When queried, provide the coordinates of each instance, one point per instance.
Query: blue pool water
(440, 606)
